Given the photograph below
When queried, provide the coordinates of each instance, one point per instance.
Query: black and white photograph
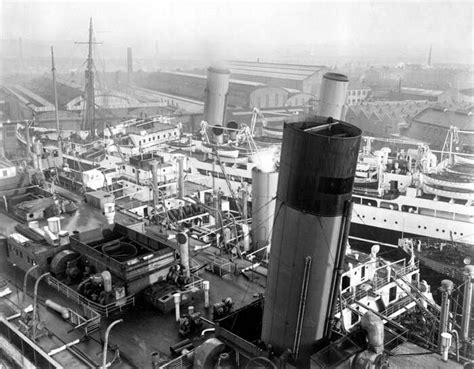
(236, 184)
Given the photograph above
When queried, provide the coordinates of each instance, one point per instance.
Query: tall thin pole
(56, 109)
(90, 98)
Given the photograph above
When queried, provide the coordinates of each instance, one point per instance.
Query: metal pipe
(35, 303)
(446, 289)
(180, 177)
(177, 300)
(63, 347)
(302, 304)
(456, 335)
(206, 287)
(467, 302)
(207, 331)
(107, 332)
(339, 270)
(24, 284)
(59, 308)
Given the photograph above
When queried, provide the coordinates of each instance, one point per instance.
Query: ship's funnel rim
(218, 70)
(329, 127)
(336, 77)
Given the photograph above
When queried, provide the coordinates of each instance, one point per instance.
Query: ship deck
(144, 329)
(409, 355)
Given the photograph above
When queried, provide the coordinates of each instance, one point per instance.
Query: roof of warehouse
(274, 70)
(270, 74)
(446, 118)
(278, 66)
(232, 80)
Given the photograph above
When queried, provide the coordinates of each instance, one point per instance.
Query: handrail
(104, 310)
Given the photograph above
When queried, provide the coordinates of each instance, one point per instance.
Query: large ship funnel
(311, 224)
(216, 95)
(332, 97)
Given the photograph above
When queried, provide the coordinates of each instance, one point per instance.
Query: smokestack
(264, 188)
(216, 95)
(20, 55)
(429, 56)
(317, 168)
(332, 96)
(129, 66)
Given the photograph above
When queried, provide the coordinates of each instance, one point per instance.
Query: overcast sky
(225, 27)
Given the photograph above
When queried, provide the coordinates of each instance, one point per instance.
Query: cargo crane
(256, 113)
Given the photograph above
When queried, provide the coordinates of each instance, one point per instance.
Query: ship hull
(376, 235)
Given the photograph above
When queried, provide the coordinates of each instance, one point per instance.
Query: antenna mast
(56, 110)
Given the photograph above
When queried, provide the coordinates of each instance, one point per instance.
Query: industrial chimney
(129, 66)
(216, 95)
(311, 225)
(332, 96)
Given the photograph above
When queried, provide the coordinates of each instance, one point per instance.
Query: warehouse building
(305, 78)
(242, 93)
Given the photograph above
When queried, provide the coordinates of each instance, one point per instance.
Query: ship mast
(56, 110)
(90, 97)
(88, 123)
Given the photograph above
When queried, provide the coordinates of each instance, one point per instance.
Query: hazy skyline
(226, 29)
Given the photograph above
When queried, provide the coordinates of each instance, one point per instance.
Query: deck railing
(103, 310)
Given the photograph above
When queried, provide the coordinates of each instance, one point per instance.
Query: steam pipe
(338, 271)
(467, 302)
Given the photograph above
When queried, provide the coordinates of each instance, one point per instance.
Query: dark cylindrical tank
(216, 95)
(317, 168)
